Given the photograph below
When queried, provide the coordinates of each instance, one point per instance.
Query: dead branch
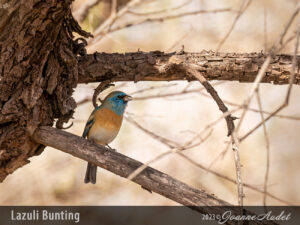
(178, 150)
(160, 11)
(230, 126)
(267, 147)
(242, 9)
(122, 165)
(160, 66)
(164, 18)
(84, 9)
(106, 25)
(209, 88)
(101, 87)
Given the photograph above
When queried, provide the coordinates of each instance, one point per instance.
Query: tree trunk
(38, 71)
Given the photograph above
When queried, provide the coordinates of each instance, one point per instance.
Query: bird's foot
(112, 149)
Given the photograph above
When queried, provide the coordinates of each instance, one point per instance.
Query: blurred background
(56, 178)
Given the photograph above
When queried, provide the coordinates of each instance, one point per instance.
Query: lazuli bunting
(104, 124)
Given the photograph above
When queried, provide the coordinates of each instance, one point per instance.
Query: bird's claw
(112, 149)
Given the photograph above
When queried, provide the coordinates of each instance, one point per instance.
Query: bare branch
(291, 82)
(84, 9)
(230, 125)
(101, 87)
(158, 19)
(290, 117)
(122, 165)
(106, 25)
(229, 119)
(242, 9)
(235, 147)
(267, 148)
(174, 147)
(265, 29)
(161, 11)
(169, 143)
(159, 66)
(232, 180)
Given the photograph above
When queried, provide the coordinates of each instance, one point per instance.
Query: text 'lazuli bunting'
(104, 124)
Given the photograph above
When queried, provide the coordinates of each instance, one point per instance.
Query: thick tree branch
(123, 166)
(159, 66)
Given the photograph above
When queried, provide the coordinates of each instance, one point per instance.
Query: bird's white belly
(102, 135)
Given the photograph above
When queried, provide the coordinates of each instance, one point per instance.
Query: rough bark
(150, 178)
(38, 71)
(159, 66)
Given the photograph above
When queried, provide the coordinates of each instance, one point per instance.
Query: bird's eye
(119, 97)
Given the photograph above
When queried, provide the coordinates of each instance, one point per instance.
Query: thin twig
(221, 155)
(169, 17)
(278, 44)
(249, 109)
(169, 143)
(160, 11)
(81, 13)
(267, 148)
(229, 119)
(238, 168)
(230, 126)
(173, 94)
(199, 91)
(166, 142)
(105, 26)
(253, 90)
(151, 88)
(100, 33)
(232, 180)
(114, 5)
(101, 87)
(258, 79)
(265, 30)
(242, 9)
(184, 36)
(289, 89)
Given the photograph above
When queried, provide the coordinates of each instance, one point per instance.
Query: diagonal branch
(242, 9)
(230, 126)
(122, 165)
(84, 9)
(209, 88)
(169, 143)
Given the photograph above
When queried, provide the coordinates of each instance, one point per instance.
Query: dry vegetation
(169, 117)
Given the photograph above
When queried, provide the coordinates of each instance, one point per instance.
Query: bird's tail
(91, 173)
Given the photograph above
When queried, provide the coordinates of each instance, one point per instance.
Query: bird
(104, 124)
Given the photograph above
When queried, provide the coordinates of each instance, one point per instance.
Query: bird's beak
(127, 98)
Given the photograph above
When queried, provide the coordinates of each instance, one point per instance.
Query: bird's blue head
(117, 102)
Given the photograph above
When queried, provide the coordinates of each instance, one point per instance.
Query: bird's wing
(89, 123)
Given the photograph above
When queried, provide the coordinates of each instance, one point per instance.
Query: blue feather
(116, 103)
(90, 122)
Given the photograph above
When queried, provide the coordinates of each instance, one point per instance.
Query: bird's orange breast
(105, 127)
(107, 119)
